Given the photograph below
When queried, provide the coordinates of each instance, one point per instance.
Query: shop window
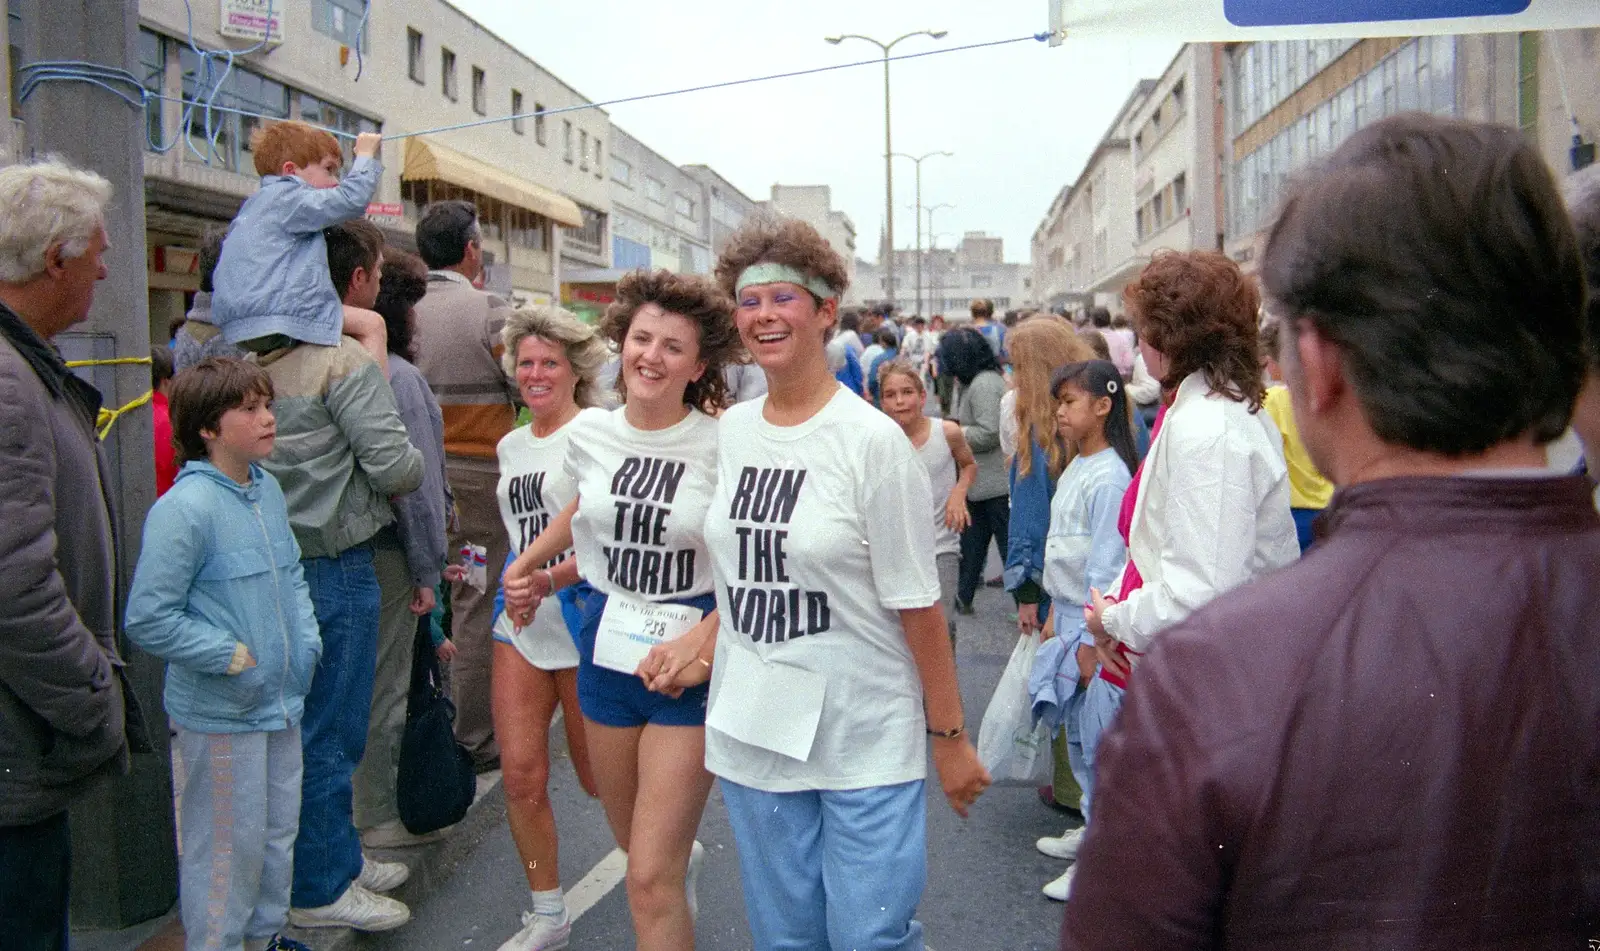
(341, 20)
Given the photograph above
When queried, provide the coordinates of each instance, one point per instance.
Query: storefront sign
(386, 212)
(1225, 20)
(247, 19)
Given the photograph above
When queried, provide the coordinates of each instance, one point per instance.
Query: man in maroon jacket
(1392, 743)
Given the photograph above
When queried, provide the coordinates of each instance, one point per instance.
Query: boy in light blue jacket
(271, 282)
(218, 593)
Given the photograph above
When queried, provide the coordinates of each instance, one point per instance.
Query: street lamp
(888, 147)
(933, 245)
(930, 212)
(918, 159)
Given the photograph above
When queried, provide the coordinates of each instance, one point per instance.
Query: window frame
(447, 74)
(415, 51)
(518, 125)
(540, 134)
(480, 91)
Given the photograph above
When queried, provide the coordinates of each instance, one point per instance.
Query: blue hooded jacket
(220, 567)
(272, 277)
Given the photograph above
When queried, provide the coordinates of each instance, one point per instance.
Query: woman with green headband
(832, 661)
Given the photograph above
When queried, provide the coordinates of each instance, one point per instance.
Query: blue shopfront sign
(1231, 20)
(1301, 12)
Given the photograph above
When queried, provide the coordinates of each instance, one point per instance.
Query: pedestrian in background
(161, 419)
(1309, 491)
(200, 337)
(220, 595)
(1583, 198)
(967, 357)
(459, 353)
(1429, 660)
(63, 720)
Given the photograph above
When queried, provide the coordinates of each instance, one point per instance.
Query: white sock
(551, 903)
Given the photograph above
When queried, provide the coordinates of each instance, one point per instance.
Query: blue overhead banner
(1225, 20)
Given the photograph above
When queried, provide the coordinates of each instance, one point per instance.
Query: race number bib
(630, 627)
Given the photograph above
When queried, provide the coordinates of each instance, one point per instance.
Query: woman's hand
(673, 667)
(956, 516)
(1094, 614)
(1027, 618)
(526, 587)
(964, 779)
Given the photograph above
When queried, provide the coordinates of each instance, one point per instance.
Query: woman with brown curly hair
(644, 475)
(832, 660)
(1212, 510)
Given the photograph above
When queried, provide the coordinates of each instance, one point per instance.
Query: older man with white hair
(62, 715)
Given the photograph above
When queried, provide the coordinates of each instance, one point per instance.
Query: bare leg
(614, 757)
(572, 720)
(671, 794)
(523, 700)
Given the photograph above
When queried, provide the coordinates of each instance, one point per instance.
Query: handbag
(435, 781)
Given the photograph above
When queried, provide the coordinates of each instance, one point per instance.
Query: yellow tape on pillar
(109, 417)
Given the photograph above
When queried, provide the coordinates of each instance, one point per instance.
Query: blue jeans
(1075, 758)
(1302, 526)
(1097, 707)
(241, 807)
(345, 596)
(832, 869)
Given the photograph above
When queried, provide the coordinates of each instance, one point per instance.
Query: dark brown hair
(202, 393)
(352, 244)
(405, 281)
(768, 240)
(981, 308)
(1438, 257)
(699, 301)
(1199, 310)
(291, 141)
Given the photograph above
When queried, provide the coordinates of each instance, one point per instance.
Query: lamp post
(933, 245)
(930, 212)
(918, 160)
(888, 147)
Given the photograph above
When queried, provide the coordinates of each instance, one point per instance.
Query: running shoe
(540, 933)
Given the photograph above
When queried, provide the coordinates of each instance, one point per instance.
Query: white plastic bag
(1009, 745)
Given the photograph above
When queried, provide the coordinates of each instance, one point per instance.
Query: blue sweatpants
(824, 869)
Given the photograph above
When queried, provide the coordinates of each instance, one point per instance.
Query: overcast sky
(1021, 119)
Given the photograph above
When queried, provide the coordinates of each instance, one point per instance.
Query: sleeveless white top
(941, 465)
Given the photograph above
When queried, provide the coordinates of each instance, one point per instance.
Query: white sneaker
(357, 908)
(393, 835)
(697, 857)
(379, 876)
(1063, 846)
(1062, 886)
(540, 933)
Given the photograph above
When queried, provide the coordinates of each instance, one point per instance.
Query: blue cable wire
(361, 29)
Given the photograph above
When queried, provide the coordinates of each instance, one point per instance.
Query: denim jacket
(219, 568)
(273, 277)
(1031, 495)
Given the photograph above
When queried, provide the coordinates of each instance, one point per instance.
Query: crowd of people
(1318, 618)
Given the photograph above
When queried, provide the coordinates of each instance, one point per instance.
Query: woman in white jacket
(1212, 509)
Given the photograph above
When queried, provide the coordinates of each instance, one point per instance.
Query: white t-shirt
(942, 475)
(534, 487)
(820, 535)
(642, 501)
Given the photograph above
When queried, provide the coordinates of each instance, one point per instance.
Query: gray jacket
(978, 411)
(62, 714)
(422, 516)
(342, 450)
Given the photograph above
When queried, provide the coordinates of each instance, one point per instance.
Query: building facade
(1289, 103)
(727, 206)
(1173, 139)
(952, 278)
(539, 182)
(659, 217)
(1085, 249)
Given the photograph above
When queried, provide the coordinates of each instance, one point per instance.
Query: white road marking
(600, 881)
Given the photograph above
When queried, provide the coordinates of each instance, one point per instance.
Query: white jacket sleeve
(1143, 388)
(1209, 503)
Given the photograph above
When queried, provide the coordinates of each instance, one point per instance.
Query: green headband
(782, 274)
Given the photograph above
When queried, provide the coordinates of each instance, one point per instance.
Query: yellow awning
(425, 161)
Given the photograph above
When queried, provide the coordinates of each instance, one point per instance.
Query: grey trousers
(949, 566)
(373, 785)
(472, 612)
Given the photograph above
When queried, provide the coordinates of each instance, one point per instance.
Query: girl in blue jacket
(218, 594)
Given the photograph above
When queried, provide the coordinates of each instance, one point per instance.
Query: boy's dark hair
(202, 393)
(1439, 258)
(351, 245)
(1583, 201)
(850, 319)
(885, 337)
(1271, 338)
(160, 366)
(1102, 378)
(405, 281)
(1100, 317)
(210, 254)
(445, 231)
(965, 352)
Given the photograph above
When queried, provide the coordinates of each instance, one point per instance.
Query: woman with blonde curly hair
(642, 477)
(555, 360)
(832, 660)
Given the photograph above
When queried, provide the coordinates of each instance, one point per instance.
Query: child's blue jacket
(220, 567)
(272, 277)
